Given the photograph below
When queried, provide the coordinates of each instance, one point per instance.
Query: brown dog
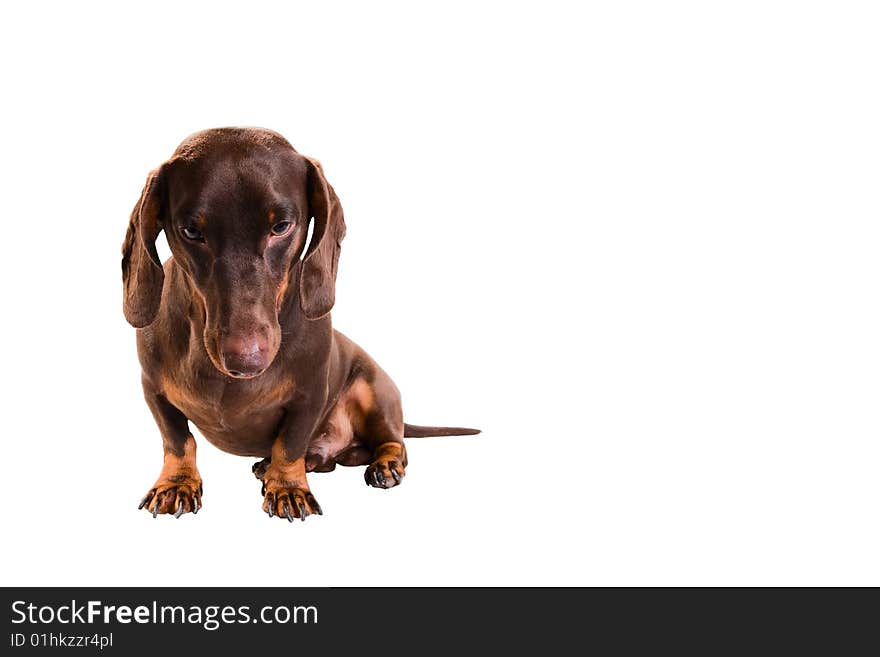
(235, 334)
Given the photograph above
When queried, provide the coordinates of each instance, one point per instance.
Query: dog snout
(245, 356)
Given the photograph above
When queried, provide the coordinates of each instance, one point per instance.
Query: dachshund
(234, 331)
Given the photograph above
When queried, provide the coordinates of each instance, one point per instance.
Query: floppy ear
(142, 274)
(317, 283)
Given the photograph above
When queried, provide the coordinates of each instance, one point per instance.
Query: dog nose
(244, 356)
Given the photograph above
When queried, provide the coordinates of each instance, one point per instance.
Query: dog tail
(416, 431)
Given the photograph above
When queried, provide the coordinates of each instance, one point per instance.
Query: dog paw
(385, 472)
(175, 495)
(289, 501)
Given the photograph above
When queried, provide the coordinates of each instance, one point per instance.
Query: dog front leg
(286, 492)
(178, 489)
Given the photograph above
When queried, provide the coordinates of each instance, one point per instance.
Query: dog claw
(196, 505)
(394, 473)
(156, 508)
(179, 509)
(302, 509)
(287, 513)
(146, 499)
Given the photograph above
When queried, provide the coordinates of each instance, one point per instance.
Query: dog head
(235, 205)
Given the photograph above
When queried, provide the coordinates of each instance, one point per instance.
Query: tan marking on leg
(391, 450)
(285, 471)
(358, 402)
(362, 394)
(178, 489)
(181, 465)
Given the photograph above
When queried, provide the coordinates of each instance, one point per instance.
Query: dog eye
(192, 233)
(281, 227)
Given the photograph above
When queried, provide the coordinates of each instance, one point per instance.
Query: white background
(635, 242)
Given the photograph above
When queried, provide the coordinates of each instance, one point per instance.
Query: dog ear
(317, 283)
(142, 274)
